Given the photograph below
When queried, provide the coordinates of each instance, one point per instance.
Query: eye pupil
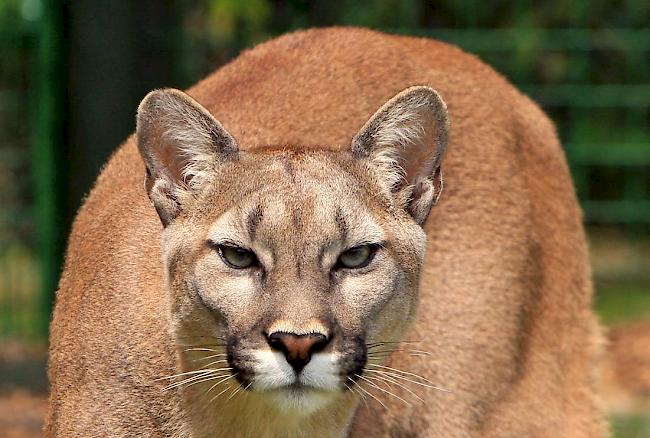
(236, 257)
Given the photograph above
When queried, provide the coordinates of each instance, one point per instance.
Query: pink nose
(297, 348)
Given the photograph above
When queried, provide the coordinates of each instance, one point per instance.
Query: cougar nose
(297, 348)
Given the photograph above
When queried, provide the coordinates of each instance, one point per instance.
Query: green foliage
(9, 10)
(630, 426)
(231, 21)
(619, 302)
(14, 12)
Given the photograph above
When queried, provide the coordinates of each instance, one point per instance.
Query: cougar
(293, 268)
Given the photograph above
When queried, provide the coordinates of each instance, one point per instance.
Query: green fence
(594, 82)
(31, 125)
(19, 275)
(603, 119)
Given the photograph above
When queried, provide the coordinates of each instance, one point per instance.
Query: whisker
(197, 377)
(239, 388)
(246, 388)
(187, 373)
(211, 356)
(388, 353)
(216, 396)
(188, 380)
(383, 390)
(214, 363)
(201, 349)
(402, 350)
(227, 388)
(200, 379)
(401, 372)
(391, 380)
(202, 345)
(357, 392)
(399, 376)
(218, 383)
(367, 392)
(380, 343)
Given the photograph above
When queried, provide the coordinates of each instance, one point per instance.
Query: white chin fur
(271, 371)
(319, 382)
(322, 372)
(300, 400)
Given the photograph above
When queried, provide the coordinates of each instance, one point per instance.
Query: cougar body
(285, 251)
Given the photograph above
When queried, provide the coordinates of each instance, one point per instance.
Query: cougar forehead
(296, 204)
(298, 212)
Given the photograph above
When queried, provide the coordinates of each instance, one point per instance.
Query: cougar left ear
(182, 145)
(405, 141)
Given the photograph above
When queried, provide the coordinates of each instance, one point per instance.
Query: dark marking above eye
(253, 220)
(341, 223)
(296, 218)
(288, 167)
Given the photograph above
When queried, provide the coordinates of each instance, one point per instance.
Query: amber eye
(357, 257)
(236, 257)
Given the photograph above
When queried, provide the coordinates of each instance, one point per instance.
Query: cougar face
(287, 266)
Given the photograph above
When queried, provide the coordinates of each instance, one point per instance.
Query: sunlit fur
(298, 292)
(491, 335)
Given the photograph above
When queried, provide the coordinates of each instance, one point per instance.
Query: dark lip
(299, 387)
(242, 375)
(296, 386)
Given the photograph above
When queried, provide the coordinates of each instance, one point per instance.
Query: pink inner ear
(163, 155)
(170, 160)
(419, 157)
(406, 137)
(178, 138)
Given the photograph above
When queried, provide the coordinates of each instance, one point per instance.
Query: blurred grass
(622, 303)
(630, 426)
(20, 304)
(618, 304)
(621, 265)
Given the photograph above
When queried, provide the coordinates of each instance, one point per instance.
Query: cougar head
(286, 265)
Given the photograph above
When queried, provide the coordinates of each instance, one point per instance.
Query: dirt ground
(21, 414)
(23, 390)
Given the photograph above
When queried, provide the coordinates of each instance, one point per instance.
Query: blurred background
(72, 74)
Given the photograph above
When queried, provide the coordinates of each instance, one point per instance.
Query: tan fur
(626, 371)
(504, 292)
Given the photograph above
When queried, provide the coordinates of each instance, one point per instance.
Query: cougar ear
(181, 145)
(405, 141)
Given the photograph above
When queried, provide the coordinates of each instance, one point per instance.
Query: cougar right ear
(405, 142)
(181, 145)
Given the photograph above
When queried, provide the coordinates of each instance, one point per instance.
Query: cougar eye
(357, 257)
(236, 257)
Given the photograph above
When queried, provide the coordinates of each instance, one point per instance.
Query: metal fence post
(49, 151)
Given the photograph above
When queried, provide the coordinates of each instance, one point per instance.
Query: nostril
(297, 348)
(276, 342)
(319, 343)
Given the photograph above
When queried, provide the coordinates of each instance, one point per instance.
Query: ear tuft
(405, 141)
(182, 146)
